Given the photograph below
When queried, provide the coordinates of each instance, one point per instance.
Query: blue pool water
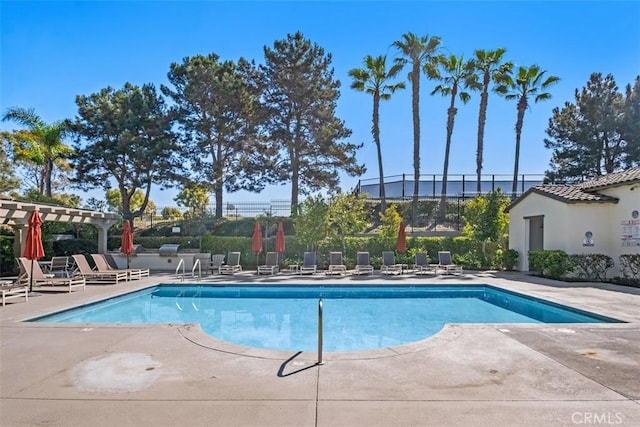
(355, 317)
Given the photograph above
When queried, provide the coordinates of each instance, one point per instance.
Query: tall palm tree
(373, 79)
(528, 82)
(457, 75)
(489, 68)
(41, 144)
(420, 52)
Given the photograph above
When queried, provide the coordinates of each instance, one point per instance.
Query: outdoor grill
(169, 249)
(136, 248)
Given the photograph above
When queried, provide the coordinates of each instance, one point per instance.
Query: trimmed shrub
(630, 266)
(554, 264)
(592, 266)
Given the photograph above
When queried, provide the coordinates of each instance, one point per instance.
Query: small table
(294, 269)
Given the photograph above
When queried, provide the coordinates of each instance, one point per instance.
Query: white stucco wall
(565, 224)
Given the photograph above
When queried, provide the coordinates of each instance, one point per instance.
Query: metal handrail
(181, 264)
(320, 362)
(196, 263)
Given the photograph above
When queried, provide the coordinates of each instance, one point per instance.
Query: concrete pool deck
(475, 375)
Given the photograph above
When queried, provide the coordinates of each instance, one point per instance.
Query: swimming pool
(355, 317)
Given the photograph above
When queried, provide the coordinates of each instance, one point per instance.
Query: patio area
(471, 374)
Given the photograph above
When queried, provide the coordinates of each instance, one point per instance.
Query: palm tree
(457, 76)
(489, 67)
(40, 144)
(529, 82)
(373, 79)
(420, 52)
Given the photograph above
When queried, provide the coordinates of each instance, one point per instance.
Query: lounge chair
(233, 265)
(363, 265)
(422, 265)
(204, 261)
(102, 266)
(309, 263)
(14, 290)
(270, 264)
(217, 261)
(59, 266)
(111, 262)
(110, 277)
(389, 263)
(32, 275)
(445, 263)
(335, 264)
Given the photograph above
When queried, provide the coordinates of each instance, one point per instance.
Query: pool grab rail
(180, 264)
(193, 270)
(196, 263)
(320, 362)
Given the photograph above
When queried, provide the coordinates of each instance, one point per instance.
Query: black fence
(401, 186)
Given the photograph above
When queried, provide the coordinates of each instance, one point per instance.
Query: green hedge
(554, 264)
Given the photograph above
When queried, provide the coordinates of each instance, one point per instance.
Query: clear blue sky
(52, 51)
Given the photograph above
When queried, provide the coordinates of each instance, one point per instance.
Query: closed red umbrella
(280, 242)
(401, 246)
(126, 241)
(256, 241)
(33, 249)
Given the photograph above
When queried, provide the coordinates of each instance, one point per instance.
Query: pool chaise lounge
(335, 264)
(233, 265)
(446, 265)
(32, 275)
(112, 277)
(103, 266)
(309, 263)
(363, 266)
(422, 265)
(270, 265)
(389, 265)
(11, 291)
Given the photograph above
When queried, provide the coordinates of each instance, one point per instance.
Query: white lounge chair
(445, 263)
(363, 265)
(335, 264)
(270, 264)
(33, 276)
(14, 290)
(217, 261)
(59, 266)
(422, 265)
(309, 263)
(389, 265)
(233, 265)
(102, 266)
(111, 277)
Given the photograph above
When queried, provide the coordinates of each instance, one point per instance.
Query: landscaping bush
(554, 264)
(506, 259)
(592, 266)
(630, 266)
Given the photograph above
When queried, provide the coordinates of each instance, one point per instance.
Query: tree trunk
(482, 119)
(451, 114)
(295, 176)
(218, 186)
(376, 139)
(522, 106)
(415, 109)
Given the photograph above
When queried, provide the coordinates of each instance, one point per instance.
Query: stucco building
(601, 216)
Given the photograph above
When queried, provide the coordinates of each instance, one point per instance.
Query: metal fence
(401, 187)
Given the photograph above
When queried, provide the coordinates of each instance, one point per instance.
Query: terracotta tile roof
(612, 180)
(571, 194)
(586, 192)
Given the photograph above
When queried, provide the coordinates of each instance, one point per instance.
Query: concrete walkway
(467, 375)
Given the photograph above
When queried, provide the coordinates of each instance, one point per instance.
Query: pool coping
(536, 375)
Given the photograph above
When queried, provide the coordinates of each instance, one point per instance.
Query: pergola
(16, 214)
